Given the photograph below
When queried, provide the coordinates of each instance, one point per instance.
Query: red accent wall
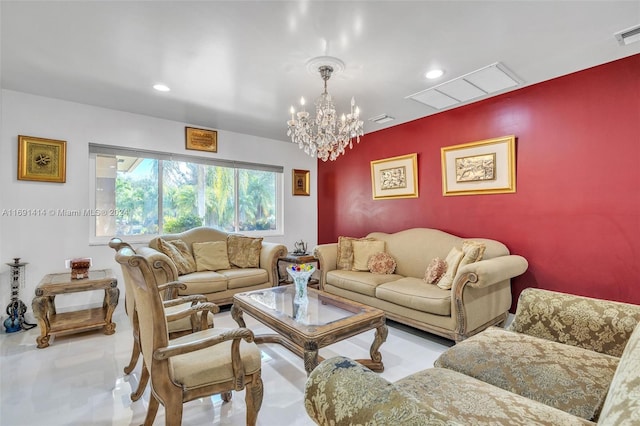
(576, 213)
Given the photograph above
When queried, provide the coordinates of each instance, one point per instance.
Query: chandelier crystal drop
(325, 135)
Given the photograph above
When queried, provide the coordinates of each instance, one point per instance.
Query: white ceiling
(239, 65)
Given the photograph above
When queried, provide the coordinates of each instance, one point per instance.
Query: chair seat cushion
(359, 282)
(213, 364)
(566, 377)
(414, 293)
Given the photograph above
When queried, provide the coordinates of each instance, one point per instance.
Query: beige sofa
(480, 296)
(565, 360)
(218, 286)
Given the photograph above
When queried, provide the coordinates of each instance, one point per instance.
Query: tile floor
(78, 380)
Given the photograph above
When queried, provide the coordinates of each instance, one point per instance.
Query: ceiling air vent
(382, 118)
(475, 85)
(628, 36)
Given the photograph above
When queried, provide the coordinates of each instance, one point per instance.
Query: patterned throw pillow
(453, 260)
(473, 252)
(382, 263)
(345, 252)
(244, 252)
(179, 253)
(435, 270)
(362, 251)
(211, 256)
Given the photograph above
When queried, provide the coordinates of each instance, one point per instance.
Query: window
(143, 194)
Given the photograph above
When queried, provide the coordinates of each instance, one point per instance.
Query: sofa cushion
(362, 251)
(203, 282)
(359, 282)
(244, 252)
(211, 256)
(381, 263)
(470, 401)
(414, 294)
(180, 254)
(344, 260)
(572, 379)
(245, 277)
(435, 270)
(453, 260)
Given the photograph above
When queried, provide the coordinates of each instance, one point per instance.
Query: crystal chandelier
(325, 135)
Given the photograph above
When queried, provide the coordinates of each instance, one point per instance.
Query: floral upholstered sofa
(214, 263)
(476, 296)
(565, 360)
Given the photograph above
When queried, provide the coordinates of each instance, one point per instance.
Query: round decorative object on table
(300, 275)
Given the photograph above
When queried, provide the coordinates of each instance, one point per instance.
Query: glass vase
(300, 280)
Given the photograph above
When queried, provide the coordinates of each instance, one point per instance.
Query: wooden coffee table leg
(310, 356)
(236, 314)
(375, 363)
(111, 296)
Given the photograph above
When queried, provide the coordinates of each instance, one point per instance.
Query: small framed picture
(300, 182)
(395, 177)
(483, 167)
(201, 139)
(43, 160)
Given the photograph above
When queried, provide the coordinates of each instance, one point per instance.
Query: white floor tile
(79, 379)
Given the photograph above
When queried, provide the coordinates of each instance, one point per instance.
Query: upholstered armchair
(181, 312)
(199, 364)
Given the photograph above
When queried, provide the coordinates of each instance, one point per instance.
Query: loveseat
(479, 294)
(233, 264)
(565, 360)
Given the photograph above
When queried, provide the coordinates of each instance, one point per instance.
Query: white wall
(45, 241)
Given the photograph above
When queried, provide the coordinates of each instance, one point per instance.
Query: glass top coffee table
(328, 319)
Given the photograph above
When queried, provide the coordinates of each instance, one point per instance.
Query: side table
(296, 259)
(52, 323)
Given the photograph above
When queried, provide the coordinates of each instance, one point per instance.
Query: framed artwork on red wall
(395, 177)
(483, 167)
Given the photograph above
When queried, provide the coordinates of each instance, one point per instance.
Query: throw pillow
(244, 252)
(344, 260)
(382, 263)
(362, 251)
(435, 270)
(179, 253)
(211, 256)
(473, 252)
(453, 260)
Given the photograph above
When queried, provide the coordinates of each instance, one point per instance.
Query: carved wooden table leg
(111, 296)
(310, 356)
(236, 314)
(39, 306)
(375, 363)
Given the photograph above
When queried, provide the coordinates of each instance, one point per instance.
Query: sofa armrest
(599, 325)
(481, 293)
(491, 271)
(269, 255)
(327, 255)
(340, 391)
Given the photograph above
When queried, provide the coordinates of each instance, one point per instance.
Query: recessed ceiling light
(434, 74)
(161, 87)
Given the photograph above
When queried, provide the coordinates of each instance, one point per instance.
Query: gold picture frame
(42, 160)
(300, 182)
(395, 177)
(483, 167)
(201, 139)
